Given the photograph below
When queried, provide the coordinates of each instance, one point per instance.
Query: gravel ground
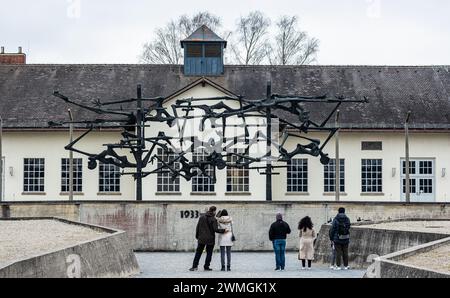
(437, 259)
(26, 238)
(243, 265)
(439, 227)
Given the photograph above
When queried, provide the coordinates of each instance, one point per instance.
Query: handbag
(233, 238)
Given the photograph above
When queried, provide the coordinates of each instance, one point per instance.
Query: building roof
(203, 34)
(26, 99)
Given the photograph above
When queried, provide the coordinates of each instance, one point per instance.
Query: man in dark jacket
(340, 236)
(205, 233)
(277, 234)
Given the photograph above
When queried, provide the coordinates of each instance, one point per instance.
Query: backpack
(343, 230)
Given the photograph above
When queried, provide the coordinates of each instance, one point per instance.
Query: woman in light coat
(307, 236)
(225, 240)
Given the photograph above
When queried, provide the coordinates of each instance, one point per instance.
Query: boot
(223, 268)
(228, 268)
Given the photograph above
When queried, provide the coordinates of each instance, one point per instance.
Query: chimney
(12, 58)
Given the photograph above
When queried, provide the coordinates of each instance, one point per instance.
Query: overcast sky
(381, 32)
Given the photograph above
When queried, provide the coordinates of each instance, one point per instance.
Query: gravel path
(26, 238)
(243, 265)
(439, 227)
(436, 259)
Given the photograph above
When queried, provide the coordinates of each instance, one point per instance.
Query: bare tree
(165, 47)
(189, 24)
(292, 46)
(250, 46)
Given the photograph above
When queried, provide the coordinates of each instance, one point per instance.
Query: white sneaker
(347, 268)
(309, 268)
(332, 267)
(337, 268)
(303, 268)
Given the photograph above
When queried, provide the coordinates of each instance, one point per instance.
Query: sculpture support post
(140, 144)
(337, 163)
(407, 170)
(70, 157)
(269, 146)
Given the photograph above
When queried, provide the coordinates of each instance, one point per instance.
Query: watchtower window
(213, 50)
(194, 50)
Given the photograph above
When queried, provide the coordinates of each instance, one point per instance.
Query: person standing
(225, 240)
(340, 235)
(307, 236)
(205, 231)
(277, 234)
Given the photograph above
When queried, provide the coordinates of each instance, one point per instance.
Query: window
(109, 178)
(202, 183)
(329, 176)
(237, 177)
(297, 175)
(213, 50)
(33, 174)
(371, 146)
(425, 167)
(77, 175)
(371, 176)
(194, 50)
(165, 183)
(412, 167)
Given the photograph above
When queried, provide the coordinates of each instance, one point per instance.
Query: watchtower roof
(203, 34)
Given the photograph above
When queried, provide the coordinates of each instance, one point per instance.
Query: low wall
(366, 241)
(170, 225)
(390, 266)
(106, 256)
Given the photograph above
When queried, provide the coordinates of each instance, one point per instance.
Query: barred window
(165, 183)
(109, 178)
(329, 176)
(33, 174)
(201, 182)
(371, 175)
(297, 175)
(77, 175)
(237, 177)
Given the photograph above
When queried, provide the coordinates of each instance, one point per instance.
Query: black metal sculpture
(133, 122)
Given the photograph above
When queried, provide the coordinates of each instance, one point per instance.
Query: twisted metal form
(133, 122)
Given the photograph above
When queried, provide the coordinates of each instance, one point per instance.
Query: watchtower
(203, 53)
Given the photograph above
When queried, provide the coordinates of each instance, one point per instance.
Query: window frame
(77, 175)
(329, 183)
(104, 187)
(369, 176)
(300, 177)
(38, 184)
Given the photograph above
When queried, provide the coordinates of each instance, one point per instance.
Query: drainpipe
(337, 178)
(407, 186)
(70, 157)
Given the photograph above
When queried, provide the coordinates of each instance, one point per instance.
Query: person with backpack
(277, 234)
(206, 230)
(340, 236)
(225, 240)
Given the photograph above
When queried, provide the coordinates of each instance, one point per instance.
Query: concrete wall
(106, 256)
(390, 266)
(170, 225)
(366, 241)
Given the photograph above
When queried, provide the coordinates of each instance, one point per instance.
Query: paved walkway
(244, 265)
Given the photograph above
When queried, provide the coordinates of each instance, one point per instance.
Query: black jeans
(222, 256)
(304, 263)
(341, 253)
(198, 254)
